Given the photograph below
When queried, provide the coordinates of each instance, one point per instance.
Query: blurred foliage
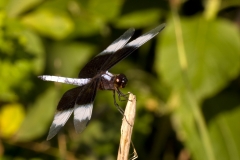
(186, 80)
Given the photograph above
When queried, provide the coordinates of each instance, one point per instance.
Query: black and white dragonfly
(92, 77)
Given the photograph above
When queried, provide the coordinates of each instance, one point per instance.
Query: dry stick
(126, 129)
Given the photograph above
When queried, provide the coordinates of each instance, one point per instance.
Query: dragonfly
(92, 77)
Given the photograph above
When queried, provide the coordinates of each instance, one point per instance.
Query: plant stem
(126, 128)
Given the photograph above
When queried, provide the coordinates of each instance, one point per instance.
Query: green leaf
(56, 25)
(87, 26)
(212, 51)
(224, 130)
(225, 134)
(138, 19)
(105, 9)
(3, 3)
(14, 8)
(34, 46)
(184, 123)
(38, 117)
(91, 16)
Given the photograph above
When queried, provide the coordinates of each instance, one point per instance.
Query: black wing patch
(64, 110)
(69, 98)
(84, 104)
(130, 47)
(94, 66)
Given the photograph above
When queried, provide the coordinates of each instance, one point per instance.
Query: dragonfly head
(120, 80)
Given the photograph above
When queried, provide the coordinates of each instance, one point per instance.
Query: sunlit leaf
(138, 19)
(11, 117)
(56, 25)
(34, 47)
(87, 26)
(104, 8)
(212, 51)
(91, 16)
(3, 3)
(14, 8)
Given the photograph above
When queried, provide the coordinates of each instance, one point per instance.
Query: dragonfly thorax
(111, 82)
